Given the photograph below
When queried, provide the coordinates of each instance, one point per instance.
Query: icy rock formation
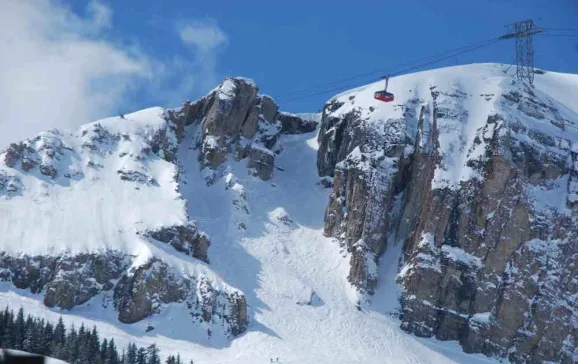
(235, 120)
(476, 178)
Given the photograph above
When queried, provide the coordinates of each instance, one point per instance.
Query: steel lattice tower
(523, 32)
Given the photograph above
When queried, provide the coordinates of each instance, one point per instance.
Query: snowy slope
(466, 83)
(301, 305)
(278, 262)
(94, 209)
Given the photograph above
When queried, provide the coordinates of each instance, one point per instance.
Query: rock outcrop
(121, 160)
(72, 280)
(484, 203)
(235, 120)
(184, 238)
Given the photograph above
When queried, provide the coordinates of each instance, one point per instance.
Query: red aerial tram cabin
(383, 95)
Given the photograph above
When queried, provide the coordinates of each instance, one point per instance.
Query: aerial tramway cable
(338, 85)
(433, 59)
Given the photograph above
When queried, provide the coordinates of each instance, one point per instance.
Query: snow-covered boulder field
(475, 174)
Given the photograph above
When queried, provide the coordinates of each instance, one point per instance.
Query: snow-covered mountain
(232, 232)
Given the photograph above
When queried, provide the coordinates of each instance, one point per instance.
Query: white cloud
(206, 36)
(205, 39)
(59, 69)
(100, 13)
(54, 72)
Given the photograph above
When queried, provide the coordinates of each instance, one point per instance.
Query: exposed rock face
(184, 238)
(261, 162)
(137, 293)
(140, 294)
(235, 120)
(9, 185)
(67, 281)
(293, 124)
(489, 259)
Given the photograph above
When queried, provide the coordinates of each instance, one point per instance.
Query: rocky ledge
(236, 122)
(137, 291)
(489, 258)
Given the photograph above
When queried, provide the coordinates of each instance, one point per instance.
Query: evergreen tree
(30, 342)
(141, 356)
(7, 341)
(46, 339)
(112, 354)
(93, 346)
(71, 345)
(59, 332)
(103, 351)
(131, 354)
(153, 355)
(58, 340)
(179, 359)
(19, 330)
(2, 328)
(80, 346)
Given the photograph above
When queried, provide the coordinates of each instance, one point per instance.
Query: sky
(68, 62)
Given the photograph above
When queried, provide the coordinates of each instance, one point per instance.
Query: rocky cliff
(98, 212)
(475, 175)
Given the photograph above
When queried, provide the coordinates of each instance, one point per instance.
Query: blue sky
(287, 48)
(83, 60)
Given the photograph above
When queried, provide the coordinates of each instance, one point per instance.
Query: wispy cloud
(206, 36)
(60, 69)
(54, 68)
(205, 39)
(100, 13)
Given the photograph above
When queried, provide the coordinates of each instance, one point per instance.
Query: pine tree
(131, 354)
(141, 356)
(7, 341)
(59, 332)
(46, 340)
(2, 328)
(179, 359)
(71, 345)
(19, 330)
(93, 346)
(103, 350)
(80, 346)
(58, 340)
(30, 342)
(153, 355)
(112, 354)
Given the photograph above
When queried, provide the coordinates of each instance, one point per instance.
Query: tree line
(72, 345)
